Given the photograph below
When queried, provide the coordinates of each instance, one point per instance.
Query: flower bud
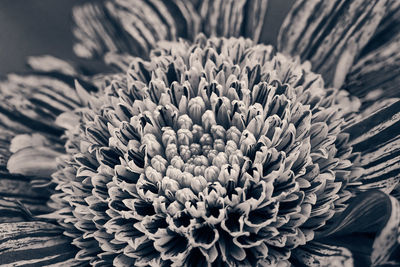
(171, 151)
(233, 134)
(185, 122)
(206, 139)
(159, 163)
(185, 194)
(153, 146)
(185, 179)
(218, 132)
(198, 184)
(177, 162)
(230, 147)
(195, 149)
(152, 175)
(200, 160)
(168, 136)
(189, 167)
(168, 184)
(208, 119)
(197, 132)
(185, 137)
(185, 153)
(199, 170)
(211, 173)
(220, 159)
(196, 108)
(219, 145)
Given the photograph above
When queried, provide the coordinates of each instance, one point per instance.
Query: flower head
(217, 151)
(231, 150)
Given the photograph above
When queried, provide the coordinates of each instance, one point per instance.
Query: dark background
(36, 27)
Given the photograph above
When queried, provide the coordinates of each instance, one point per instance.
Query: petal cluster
(211, 153)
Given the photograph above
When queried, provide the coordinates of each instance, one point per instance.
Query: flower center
(195, 155)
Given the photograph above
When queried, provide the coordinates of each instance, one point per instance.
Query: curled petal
(204, 236)
(170, 244)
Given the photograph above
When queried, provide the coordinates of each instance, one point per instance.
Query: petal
(374, 213)
(34, 161)
(13, 211)
(376, 135)
(204, 236)
(6, 136)
(170, 244)
(32, 102)
(316, 254)
(196, 258)
(34, 243)
(22, 141)
(387, 240)
(49, 63)
(120, 61)
(17, 190)
(388, 28)
(37, 161)
(131, 27)
(233, 18)
(330, 33)
(378, 67)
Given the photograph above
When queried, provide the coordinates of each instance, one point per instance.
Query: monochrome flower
(199, 146)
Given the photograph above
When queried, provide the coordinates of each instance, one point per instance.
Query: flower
(205, 150)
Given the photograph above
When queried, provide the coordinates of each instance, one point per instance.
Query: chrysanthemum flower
(203, 147)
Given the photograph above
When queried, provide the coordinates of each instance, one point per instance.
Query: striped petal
(134, 27)
(19, 189)
(377, 137)
(6, 136)
(233, 18)
(35, 244)
(47, 63)
(13, 211)
(373, 218)
(32, 102)
(317, 254)
(330, 34)
(378, 67)
(131, 27)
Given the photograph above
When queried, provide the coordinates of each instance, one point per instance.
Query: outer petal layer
(378, 67)
(131, 27)
(318, 254)
(330, 33)
(376, 135)
(134, 27)
(233, 18)
(372, 218)
(34, 243)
